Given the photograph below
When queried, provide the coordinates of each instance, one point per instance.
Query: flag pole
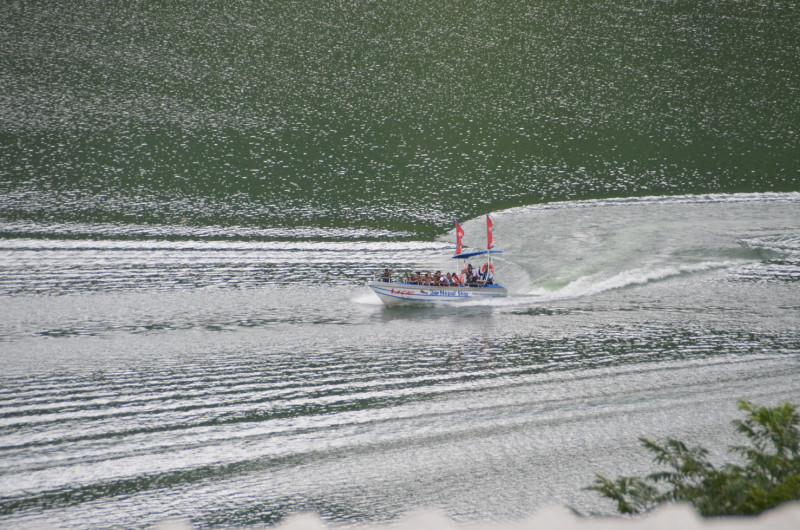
(489, 242)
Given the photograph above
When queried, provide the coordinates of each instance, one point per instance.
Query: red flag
(489, 230)
(459, 235)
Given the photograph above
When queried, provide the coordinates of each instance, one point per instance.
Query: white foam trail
(592, 285)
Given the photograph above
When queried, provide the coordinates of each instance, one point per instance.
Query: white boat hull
(392, 293)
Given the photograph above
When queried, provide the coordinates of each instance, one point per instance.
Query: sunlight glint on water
(193, 195)
(258, 379)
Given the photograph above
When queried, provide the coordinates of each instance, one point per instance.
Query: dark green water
(193, 195)
(391, 116)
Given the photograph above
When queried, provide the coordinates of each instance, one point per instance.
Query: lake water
(193, 196)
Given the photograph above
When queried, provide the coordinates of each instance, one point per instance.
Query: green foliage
(769, 477)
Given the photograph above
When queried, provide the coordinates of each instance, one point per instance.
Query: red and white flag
(489, 230)
(459, 235)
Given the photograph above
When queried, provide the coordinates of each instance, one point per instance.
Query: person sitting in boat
(386, 276)
(486, 275)
(470, 279)
(448, 280)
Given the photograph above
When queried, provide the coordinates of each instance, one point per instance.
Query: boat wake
(593, 285)
(588, 286)
(584, 249)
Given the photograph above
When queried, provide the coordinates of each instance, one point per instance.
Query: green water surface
(387, 115)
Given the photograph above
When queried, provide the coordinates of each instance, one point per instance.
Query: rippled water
(235, 382)
(193, 195)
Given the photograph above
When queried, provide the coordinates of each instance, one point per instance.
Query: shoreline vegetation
(768, 477)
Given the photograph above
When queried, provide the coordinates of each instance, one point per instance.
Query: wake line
(594, 284)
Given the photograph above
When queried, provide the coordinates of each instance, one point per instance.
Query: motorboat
(463, 287)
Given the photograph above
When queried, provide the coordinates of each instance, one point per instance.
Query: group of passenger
(469, 277)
